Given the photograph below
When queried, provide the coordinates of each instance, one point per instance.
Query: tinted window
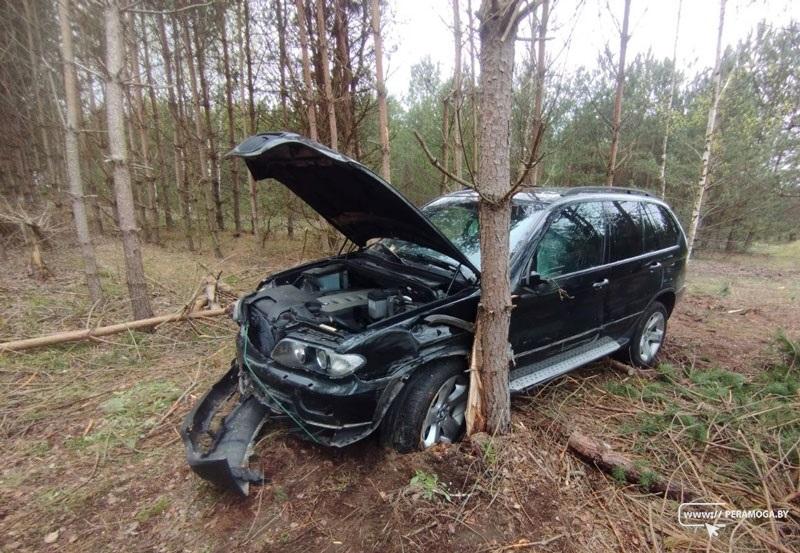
(660, 231)
(626, 229)
(573, 242)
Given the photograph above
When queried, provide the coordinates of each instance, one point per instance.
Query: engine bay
(339, 297)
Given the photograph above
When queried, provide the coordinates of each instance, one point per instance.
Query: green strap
(264, 388)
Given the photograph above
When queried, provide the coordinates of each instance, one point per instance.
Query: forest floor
(92, 460)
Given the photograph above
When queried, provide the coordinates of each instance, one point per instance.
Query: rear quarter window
(660, 229)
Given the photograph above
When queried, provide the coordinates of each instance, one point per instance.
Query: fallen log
(608, 460)
(631, 370)
(89, 333)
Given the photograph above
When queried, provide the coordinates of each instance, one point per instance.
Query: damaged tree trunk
(488, 408)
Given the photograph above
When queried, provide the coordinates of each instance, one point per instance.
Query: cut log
(89, 333)
(608, 460)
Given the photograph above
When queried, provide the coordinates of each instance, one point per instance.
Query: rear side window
(626, 229)
(574, 241)
(660, 229)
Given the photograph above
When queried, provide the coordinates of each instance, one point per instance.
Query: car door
(562, 306)
(635, 271)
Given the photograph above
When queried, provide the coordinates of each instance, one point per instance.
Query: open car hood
(356, 201)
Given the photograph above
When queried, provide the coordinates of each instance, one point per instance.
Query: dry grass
(93, 462)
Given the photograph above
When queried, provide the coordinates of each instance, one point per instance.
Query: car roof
(554, 195)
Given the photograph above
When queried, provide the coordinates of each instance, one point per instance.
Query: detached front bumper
(220, 455)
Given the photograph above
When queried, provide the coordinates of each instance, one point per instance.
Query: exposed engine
(340, 297)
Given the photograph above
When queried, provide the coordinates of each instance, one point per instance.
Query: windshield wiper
(389, 251)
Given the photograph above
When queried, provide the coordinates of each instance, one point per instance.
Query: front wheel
(431, 409)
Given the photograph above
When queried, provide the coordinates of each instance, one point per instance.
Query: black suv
(377, 337)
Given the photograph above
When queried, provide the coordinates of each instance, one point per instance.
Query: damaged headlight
(299, 355)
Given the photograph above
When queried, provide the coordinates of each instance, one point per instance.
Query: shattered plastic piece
(224, 462)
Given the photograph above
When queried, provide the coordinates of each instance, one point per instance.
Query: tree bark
(226, 67)
(72, 158)
(488, 408)
(383, 111)
(662, 171)
(177, 142)
(702, 185)
(616, 121)
(134, 269)
(330, 101)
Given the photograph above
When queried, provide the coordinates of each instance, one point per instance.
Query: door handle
(600, 284)
(654, 265)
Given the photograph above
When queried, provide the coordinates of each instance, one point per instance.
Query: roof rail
(607, 189)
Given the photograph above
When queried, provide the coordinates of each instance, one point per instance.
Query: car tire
(416, 406)
(648, 338)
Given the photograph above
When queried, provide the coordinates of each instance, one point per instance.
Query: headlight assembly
(236, 312)
(299, 355)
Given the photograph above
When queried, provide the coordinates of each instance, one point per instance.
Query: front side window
(626, 229)
(573, 242)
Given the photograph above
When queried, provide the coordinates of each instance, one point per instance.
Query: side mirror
(533, 279)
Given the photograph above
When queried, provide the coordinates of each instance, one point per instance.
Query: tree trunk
(280, 12)
(134, 269)
(456, 95)
(251, 115)
(702, 185)
(383, 111)
(71, 152)
(226, 66)
(177, 143)
(473, 88)
(162, 190)
(310, 97)
(202, 138)
(538, 95)
(144, 138)
(662, 171)
(488, 408)
(209, 140)
(444, 188)
(616, 121)
(34, 50)
(330, 101)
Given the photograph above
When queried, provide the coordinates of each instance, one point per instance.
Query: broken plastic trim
(225, 461)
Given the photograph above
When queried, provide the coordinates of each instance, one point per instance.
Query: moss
(153, 510)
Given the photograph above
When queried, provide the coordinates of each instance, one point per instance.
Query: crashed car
(377, 338)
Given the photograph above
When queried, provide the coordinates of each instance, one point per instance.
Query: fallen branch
(89, 333)
(630, 370)
(601, 454)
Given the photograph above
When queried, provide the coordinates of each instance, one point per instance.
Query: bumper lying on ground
(224, 460)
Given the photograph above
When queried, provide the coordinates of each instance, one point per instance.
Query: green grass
(156, 508)
(428, 484)
(128, 414)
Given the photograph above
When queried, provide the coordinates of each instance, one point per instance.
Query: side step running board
(525, 377)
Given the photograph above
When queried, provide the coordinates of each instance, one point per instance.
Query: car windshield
(457, 219)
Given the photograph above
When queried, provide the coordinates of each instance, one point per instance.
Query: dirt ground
(92, 460)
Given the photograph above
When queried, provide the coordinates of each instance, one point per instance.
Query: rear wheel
(648, 337)
(431, 409)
